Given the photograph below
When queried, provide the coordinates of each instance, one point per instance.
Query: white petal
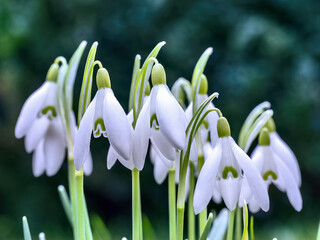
(83, 136)
(252, 175)
(292, 188)
(253, 205)
(193, 152)
(286, 154)
(38, 160)
(30, 110)
(230, 191)
(54, 147)
(212, 120)
(245, 193)
(118, 128)
(216, 196)
(113, 156)
(207, 177)
(156, 154)
(141, 136)
(160, 171)
(36, 133)
(88, 165)
(171, 118)
(188, 112)
(257, 157)
(162, 144)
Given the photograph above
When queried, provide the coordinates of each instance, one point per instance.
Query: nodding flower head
(40, 123)
(228, 165)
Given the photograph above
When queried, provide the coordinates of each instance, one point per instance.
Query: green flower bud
(158, 75)
(271, 125)
(203, 85)
(147, 91)
(103, 79)
(264, 138)
(223, 127)
(52, 74)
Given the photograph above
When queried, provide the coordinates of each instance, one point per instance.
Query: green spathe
(223, 127)
(103, 79)
(158, 75)
(203, 85)
(270, 125)
(52, 74)
(264, 138)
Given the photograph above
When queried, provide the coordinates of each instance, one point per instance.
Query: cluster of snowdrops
(188, 139)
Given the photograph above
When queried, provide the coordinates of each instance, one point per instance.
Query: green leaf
(318, 235)
(148, 231)
(85, 94)
(245, 235)
(100, 231)
(65, 203)
(26, 230)
(135, 72)
(207, 227)
(220, 225)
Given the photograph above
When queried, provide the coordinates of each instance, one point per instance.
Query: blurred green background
(263, 50)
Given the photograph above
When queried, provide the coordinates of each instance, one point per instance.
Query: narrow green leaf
(26, 230)
(134, 79)
(100, 231)
(207, 227)
(318, 235)
(245, 235)
(148, 231)
(220, 225)
(65, 203)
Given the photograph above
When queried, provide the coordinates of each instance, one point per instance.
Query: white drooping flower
(104, 116)
(161, 119)
(40, 123)
(284, 152)
(228, 165)
(274, 170)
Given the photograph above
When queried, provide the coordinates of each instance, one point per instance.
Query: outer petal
(118, 128)
(36, 133)
(245, 193)
(257, 157)
(156, 155)
(54, 147)
(171, 118)
(206, 180)
(160, 170)
(38, 160)
(83, 136)
(292, 188)
(141, 136)
(252, 175)
(113, 156)
(286, 154)
(254, 205)
(88, 165)
(30, 110)
(162, 144)
(216, 195)
(213, 119)
(230, 191)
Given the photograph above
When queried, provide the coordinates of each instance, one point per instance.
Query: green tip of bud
(147, 91)
(271, 125)
(203, 85)
(103, 79)
(52, 74)
(264, 138)
(223, 127)
(158, 75)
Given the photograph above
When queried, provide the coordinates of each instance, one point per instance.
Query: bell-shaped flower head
(283, 151)
(104, 116)
(162, 119)
(274, 170)
(228, 165)
(39, 121)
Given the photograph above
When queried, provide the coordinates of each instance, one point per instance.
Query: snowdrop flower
(161, 119)
(274, 170)
(104, 116)
(228, 164)
(39, 121)
(283, 151)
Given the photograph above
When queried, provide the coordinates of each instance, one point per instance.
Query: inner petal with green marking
(99, 128)
(49, 111)
(227, 170)
(269, 173)
(154, 122)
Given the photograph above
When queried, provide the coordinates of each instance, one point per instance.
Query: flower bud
(203, 85)
(103, 79)
(223, 127)
(52, 74)
(158, 75)
(147, 91)
(264, 138)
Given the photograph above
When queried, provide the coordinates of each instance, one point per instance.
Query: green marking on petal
(48, 109)
(152, 119)
(228, 169)
(100, 122)
(269, 173)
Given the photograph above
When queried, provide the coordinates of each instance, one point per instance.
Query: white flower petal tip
(88, 165)
(118, 128)
(171, 117)
(38, 161)
(230, 191)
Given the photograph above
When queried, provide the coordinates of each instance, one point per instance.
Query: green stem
(172, 204)
(251, 228)
(180, 211)
(238, 223)
(135, 205)
(230, 225)
(191, 217)
(203, 214)
(87, 221)
(80, 223)
(72, 190)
